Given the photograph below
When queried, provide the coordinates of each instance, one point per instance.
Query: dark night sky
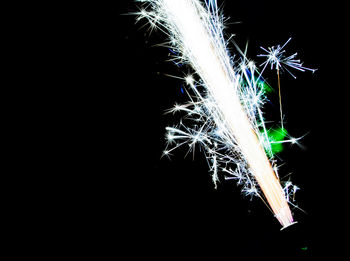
(147, 207)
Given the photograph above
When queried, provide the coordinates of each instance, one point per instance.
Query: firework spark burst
(276, 57)
(226, 96)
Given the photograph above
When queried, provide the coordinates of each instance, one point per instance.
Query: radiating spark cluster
(276, 57)
(224, 114)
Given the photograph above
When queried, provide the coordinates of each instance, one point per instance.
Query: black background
(125, 200)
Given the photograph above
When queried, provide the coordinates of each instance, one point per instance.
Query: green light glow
(260, 83)
(265, 87)
(275, 136)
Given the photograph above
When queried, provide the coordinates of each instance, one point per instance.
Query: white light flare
(206, 52)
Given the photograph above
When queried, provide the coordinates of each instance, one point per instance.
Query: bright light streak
(226, 105)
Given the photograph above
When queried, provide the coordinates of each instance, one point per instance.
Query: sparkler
(226, 98)
(276, 58)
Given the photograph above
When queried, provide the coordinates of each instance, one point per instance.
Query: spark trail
(275, 56)
(226, 102)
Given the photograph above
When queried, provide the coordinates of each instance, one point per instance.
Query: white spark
(276, 57)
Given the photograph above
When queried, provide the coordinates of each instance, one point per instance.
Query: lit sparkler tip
(288, 225)
(284, 216)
